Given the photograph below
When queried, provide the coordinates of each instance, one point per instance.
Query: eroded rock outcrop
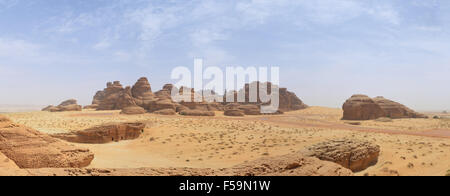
(356, 155)
(395, 110)
(132, 110)
(29, 148)
(362, 107)
(115, 97)
(113, 132)
(65, 106)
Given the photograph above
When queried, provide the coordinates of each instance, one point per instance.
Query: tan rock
(113, 132)
(355, 155)
(396, 110)
(361, 107)
(29, 148)
(132, 110)
(234, 112)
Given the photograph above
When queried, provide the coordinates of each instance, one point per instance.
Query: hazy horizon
(327, 50)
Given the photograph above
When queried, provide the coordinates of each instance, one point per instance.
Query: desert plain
(408, 147)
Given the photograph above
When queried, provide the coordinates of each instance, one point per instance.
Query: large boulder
(356, 155)
(29, 148)
(361, 107)
(107, 133)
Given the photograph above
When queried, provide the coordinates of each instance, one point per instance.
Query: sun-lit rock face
(29, 148)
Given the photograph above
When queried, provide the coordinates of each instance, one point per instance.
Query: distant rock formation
(113, 132)
(362, 107)
(356, 155)
(65, 106)
(29, 148)
(129, 99)
(288, 101)
(396, 110)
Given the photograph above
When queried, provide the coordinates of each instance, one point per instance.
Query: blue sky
(327, 50)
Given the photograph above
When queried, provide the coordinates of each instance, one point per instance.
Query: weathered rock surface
(29, 148)
(362, 107)
(234, 112)
(69, 105)
(132, 110)
(395, 110)
(355, 155)
(115, 97)
(113, 132)
(287, 165)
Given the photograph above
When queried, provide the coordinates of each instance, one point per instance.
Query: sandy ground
(408, 146)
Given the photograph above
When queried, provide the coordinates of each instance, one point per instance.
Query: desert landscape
(134, 131)
(224, 88)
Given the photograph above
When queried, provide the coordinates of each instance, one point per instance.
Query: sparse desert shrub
(436, 117)
(448, 173)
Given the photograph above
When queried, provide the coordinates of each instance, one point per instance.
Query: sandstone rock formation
(69, 105)
(286, 165)
(362, 107)
(114, 132)
(234, 112)
(396, 110)
(132, 110)
(115, 97)
(352, 154)
(29, 148)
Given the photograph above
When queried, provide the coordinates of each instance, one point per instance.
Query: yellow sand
(216, 142)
